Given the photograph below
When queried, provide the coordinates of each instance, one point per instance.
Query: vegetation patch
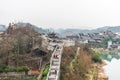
(96, 57)
(80, 62)
(5, 68)
(45, 72)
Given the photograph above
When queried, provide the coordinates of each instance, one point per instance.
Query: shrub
(22, 68)
(5, 68)
(44, 78)
(46, 70)
(96, 57)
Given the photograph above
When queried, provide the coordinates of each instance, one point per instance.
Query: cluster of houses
(112, 45)
(94, 38)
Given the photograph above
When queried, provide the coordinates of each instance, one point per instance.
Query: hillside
(22, 48)
(36, 28)
(72, 65)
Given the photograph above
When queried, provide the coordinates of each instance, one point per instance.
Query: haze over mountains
(3, 27)
(64, 32)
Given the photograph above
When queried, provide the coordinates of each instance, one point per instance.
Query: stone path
(54, 71)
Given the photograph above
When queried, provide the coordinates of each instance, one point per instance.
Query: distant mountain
(36, 28)
(65, 32)
(2, 28)
(111, 28)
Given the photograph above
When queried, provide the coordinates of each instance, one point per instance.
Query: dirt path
(71, 64)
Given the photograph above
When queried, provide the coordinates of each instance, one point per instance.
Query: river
(112, 69)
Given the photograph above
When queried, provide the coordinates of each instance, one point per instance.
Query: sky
(83, 14)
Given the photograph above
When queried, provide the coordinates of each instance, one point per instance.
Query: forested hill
(36, 28)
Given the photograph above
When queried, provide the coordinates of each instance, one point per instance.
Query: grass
(5, 68)
(45, 72)
(44, 78)
(75, 57)
(22, 78)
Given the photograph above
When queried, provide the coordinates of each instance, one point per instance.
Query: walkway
(71, 64)
(54, 70)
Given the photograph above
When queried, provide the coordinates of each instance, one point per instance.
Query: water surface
(112, 69)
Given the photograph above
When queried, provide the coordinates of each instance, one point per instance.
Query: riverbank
(97, 72)
(108, 55)
(101, 73)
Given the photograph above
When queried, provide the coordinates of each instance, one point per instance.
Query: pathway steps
(54, 70)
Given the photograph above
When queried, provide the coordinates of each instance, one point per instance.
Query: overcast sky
(62, 13)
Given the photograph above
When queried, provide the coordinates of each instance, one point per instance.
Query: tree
(6, 47)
